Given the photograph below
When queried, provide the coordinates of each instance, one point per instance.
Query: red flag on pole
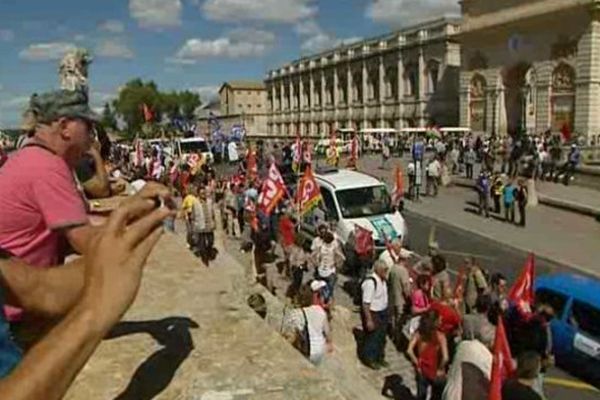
(459, 289)
(502, 365)
(363, 240)
(148, 114)
(522, 294)
(273, 190)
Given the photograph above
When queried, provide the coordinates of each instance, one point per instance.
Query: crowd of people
(50, 298)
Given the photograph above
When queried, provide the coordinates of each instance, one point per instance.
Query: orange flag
(502, 366)
(398, 184)
(522, 294)
(459, 289)
(251, 165)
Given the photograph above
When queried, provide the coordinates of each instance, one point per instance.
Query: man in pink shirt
(40, 205)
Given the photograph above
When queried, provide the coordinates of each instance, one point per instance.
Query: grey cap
(48, 107)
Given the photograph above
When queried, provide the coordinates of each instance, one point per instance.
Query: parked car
(576, 327)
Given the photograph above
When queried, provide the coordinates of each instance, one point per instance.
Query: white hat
(317, 285)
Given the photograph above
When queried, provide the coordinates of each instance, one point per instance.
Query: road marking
(572, 384)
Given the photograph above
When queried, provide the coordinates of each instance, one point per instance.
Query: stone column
(464, 109)
(349, 94)
(291, 92)
(312, 103)
(400, 90)
(421, 93)
(544, 90)
(381, 98)
(365, 96)
(335, 96)
(587, 97)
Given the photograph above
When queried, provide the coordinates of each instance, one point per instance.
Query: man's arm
(122, 248)
(79, 236)
(50, 292)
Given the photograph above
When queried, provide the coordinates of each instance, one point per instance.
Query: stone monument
(73, 70)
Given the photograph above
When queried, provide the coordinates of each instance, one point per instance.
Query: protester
(521, 387)
(573, 160)
(440, 279)
(469, 159)
(374, 315)
(478, 322)
(203, 226)
(508, 197)
(420, 298)
(434, 170)
(496, 191)
(298, 260)
(475, 284)
(328, 257)
(187, 206)
(483, 189)
(521, 196)
(428, 351)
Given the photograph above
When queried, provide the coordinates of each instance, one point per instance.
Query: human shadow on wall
(156, 373)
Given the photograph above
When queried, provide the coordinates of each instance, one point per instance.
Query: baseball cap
(49, 107)
(317, 285)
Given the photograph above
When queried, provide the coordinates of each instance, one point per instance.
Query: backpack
(358, 292)
(303, 339)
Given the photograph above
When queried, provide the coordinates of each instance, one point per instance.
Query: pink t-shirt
(38, 198)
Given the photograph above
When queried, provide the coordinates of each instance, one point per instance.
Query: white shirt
(318, 328)
(375, 293)
(434, 169)
(326, 258)
(232, 151)
(470, 351)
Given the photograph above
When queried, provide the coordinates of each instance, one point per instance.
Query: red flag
(398, 185)
(148, 114)
(566, 132)
(309, 194)
(273, 190)
(307, 153)
(502, 366)
(251, 165)
(363, 240)
(522, 294)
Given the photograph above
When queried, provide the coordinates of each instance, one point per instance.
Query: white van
(352, 198)
(185, 147)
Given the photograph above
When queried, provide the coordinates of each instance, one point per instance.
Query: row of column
(279, 98)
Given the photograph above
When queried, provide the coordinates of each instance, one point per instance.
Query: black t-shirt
(515, 390)
(86, 169)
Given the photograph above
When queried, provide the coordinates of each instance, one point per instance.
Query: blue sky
(180, 44)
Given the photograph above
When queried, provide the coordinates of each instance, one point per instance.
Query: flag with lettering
(273, 190)
(521, 294)
(309, 194)
(502, 364)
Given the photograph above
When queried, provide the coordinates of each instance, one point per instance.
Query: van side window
(585, 318)
(329, 203)
(552, 298)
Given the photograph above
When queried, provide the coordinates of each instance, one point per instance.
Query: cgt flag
(148, 114)
(502, 365)
(273, 190)
(309, 194)
(251, 165)
(521, 294)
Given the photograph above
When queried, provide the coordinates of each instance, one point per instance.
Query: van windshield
(199, 146)
(364, 202)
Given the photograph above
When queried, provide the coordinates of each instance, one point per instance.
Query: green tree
(132, 97)
(189, 101)
(109, 120)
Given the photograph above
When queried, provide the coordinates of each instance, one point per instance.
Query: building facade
(240, 104)
(532, 65)
(403, 79)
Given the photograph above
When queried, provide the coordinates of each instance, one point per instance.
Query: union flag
(273, 190)
(521, 294)
(148, 114)
(309, 194)
(251, 165)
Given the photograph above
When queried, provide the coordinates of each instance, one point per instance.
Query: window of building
(477, 103)
(411, 80)
(433, 71)
(258, 106)
(249, 105)
(563, 97)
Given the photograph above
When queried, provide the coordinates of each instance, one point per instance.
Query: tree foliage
(109, 119)
(167, 107)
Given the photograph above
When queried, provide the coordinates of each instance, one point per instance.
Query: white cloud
(113, 48)
(316, 39)
(45, 51)
(283, 11)
(112, 26)
(403, 12)
(6, 35)
(238, 43)
(156, 14)
(15, 104)
(207, 93)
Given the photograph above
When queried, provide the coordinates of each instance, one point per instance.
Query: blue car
(576, 328)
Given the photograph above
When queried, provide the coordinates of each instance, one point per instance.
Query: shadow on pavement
(157, 371)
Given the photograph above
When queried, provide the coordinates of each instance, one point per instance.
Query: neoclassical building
(531, 64)
(405, 78)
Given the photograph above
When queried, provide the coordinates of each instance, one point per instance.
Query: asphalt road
(456, 243)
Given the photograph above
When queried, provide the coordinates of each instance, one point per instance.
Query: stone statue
(73, 70)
